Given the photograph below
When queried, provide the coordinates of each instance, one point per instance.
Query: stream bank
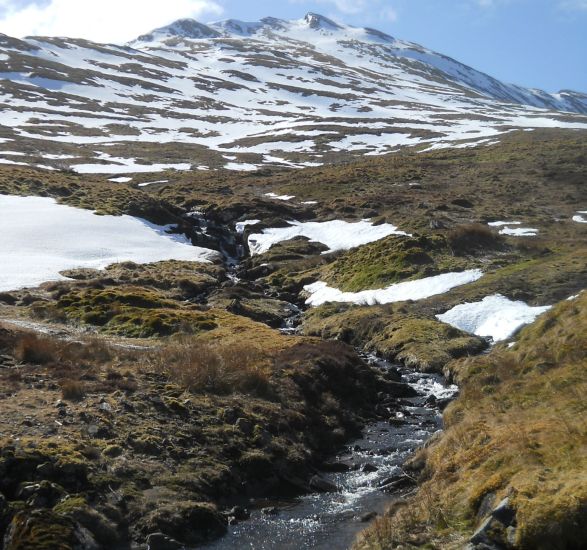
(370, 477)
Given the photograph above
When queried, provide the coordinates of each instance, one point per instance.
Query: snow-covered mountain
(240, 95)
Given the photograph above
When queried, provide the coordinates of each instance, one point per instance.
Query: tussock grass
(474, 237)
(216, 368)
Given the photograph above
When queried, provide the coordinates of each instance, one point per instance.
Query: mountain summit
(246, 94)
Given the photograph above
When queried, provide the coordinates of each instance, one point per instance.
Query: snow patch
(121, 179)
(501, 224)
(240, 166)
(335, 234)
(519, 231)
(280, 197)
(320, 292)
(240, 226)
(495, 316)
(39, 238)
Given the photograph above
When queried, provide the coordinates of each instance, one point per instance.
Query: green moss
(41, 530)
(70, 505)
(392, 331)
(134, 312)
(391, 260)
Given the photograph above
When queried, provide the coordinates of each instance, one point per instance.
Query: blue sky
(535, 43)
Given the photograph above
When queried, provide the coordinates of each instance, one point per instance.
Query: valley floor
(150, 399)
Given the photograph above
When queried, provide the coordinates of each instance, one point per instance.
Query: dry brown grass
(214, 367)
(43, 350)
(73, 390)
(470, 238)
(30, 348)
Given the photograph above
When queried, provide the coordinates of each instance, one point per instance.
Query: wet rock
(396, 421)
(399, 389)
(392, 375)
(239, 513)
(396, 483)
(368, 517)
(504, 512)
(430, 400)
(334, 467)
(40, 495)
(244, 425)
(369, 468)
(270, 511)
(159, 541)
(322, 485)
(443, 403)
(190, 522)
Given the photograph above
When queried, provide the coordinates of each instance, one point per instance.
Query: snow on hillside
(320, 293)
(39, 238)
(273, 92)
(335, 234)
(495, 316)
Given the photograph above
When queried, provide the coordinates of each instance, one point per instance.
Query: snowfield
(39, 238)
(495, 316)
(335, 234)
(248, 95)
(321, 293)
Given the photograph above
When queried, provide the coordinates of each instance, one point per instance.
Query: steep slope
(241, 95)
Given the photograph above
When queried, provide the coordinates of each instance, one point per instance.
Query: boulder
(244, 425)
(45, 529)
(504, 512)
(368, 517)
(322, 485)
(189, 522)
(159, 541)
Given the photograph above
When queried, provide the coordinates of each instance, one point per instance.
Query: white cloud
(355, 7)
(115, 21)
(388, 14)
(347, 6)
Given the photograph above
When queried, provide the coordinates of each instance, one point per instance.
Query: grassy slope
(519, 429)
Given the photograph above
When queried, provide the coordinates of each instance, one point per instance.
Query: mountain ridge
(241, 95)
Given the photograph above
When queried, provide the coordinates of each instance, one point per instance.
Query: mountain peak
(236, 27)
(184, 28)
(317, 21)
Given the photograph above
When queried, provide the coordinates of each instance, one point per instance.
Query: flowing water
(332, 520)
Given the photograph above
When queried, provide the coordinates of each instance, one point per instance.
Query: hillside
(246, 95)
